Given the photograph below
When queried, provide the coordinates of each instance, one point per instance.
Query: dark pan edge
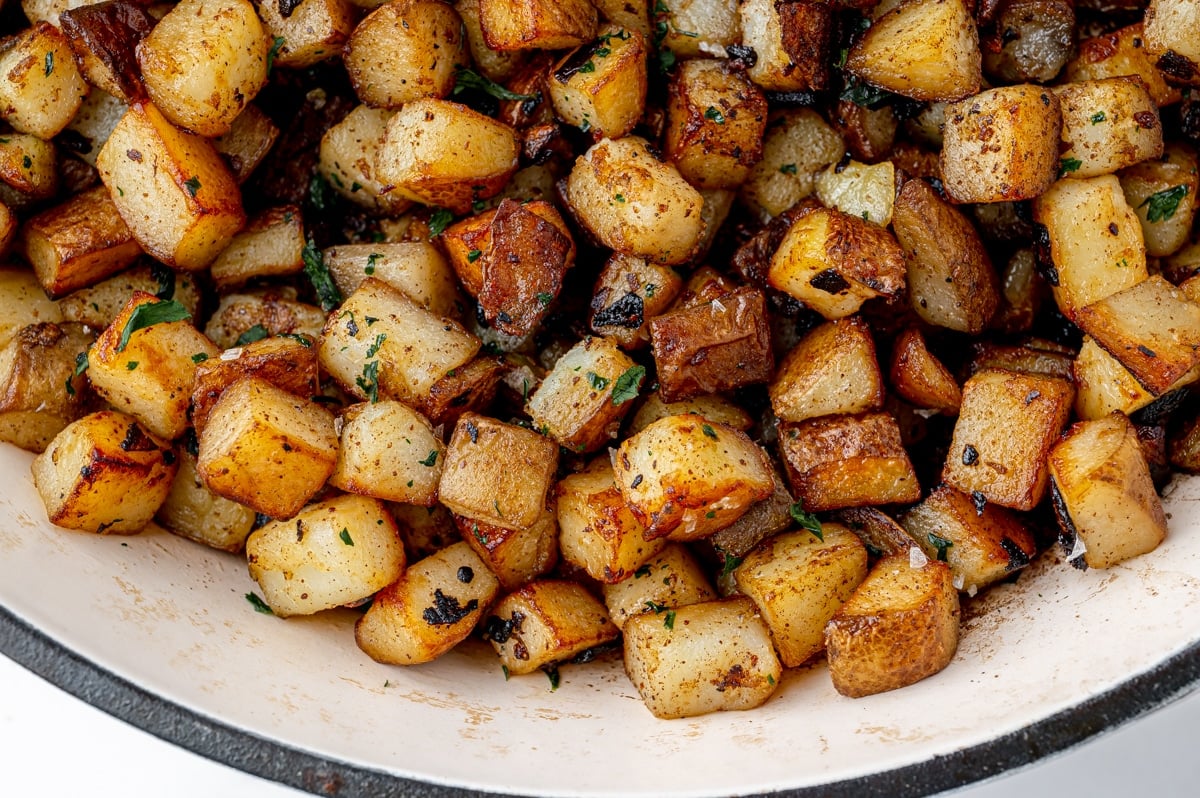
(245, 751)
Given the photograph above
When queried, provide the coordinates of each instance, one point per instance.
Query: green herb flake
(806, 520)
(474, 255)
(258, 604)
(318, 275)
(596, 381)
(628, 384)
(1068, 165)
(544, 298)
(440, 220)
(255, 333)
(192, 184)
(1098, 117)
(864, 94)
(669, 620)
(49, 62)
(643, 570)
(552, 675)
(131, 365)
(372, 259)
(714, 114)
(199, 357)
(470, 79)
(602, 52)
(654, 606)
(941, 544)
(165, 279)
(619, 197)
(666, 60)
(369, 381)
(587, 67)
(1162, 205)
(431, 460)
(149, 314)
(373, 349)
(788, 169)
(345, 537)
(708, 431)
(730, 564)
(27, 162)
(320, 195)
(770, 679)
(711, 514)
(504, 670)
(650, 289)
(81, 363)
(273, 53)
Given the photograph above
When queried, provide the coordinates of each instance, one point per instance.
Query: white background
(54, 745)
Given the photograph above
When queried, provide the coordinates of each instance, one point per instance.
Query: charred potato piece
(105, 37)
(629, 292)
(919, 377)
(546, 622)
(1122, 52)
(791, 41)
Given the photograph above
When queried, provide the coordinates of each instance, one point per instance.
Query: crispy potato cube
(924, 49)
(832, 370)
(899, 626)
(669, 579)
(104, 473)
(287, 363)
(417, 268)
(858, 189)
(203, 61)
(148, 371)
(339, 551)
(40, 393)
(347, 160)
(701, 658)
(267, 448)
(22, 302)
(78, 243)
(919, 377)
(28, 170)
(193, 511)
(171, 188)
(276, 311)
(515, 556)
(40, 88)
(980, 546)
(1001, 144)
(629, 292)
(1103, 385)
(404, 51)
(847, 461)
(497, 473)
(833, 262)
(1107, 125)
(597, 531)
(685, 478)
(313, 31)
(271, 245)
(1151, 327)
(798, 581)
(251, 136)
(869, 133)
(1121, 52)
(1006, 425)
(496, 65)
(540, 24)
(1163, 193)
(1172, 30)
(791, 41)
(431, 608)
(104, 37)
(798, 145)
(951, 281)
(469, 388)
(1103, 494)
(389, 451)
(634, 203)
(577, 403)
(716, 119)
(442, 153)
(381, 344)
(546, 622)
(712, 406)
(1095, 241)
(606, 98)
(768, 517)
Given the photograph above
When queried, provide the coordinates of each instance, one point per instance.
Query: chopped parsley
(431, 460)
(788, 169)
(708, 431)
(199, 357)
(669, 620)
(192, 184)
(628, 384)
(165, 279)
(273, 53)
(474, 255)
(49, 62)
(1162, 205)
(596, 381)
(369, 381)
(1098, 117)
(151, 313)
(440, 220)
(730, 564)
(806, 520)
(255, 333)
(345, 536)
(318, 275)
(941, 544)
(258, 604)
(1068, 165)
(715, 115)
(320, 195)
(372, 259)
(544, 298)
(470, 79)
(373, 349)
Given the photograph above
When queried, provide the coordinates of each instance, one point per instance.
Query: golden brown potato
(629, 292)
(578, 404)
(493, 64)
(41, 88)
(312, 31)
(798, 145)
(389, 451)
(40, 391)
(28, 170)
(287, 363)
(347, 160)
(601, 88)
(276, 311)
(831, 370)
(22, 302)
(919, 377)
(251, 136)
(1163, 193)
(97, 305)
(405, 50)
(1172, 30)
(1103, 385)
(515, 556)
(193, 511)
(104, 37)
(791, 41)
(271, 245)
(1107, 125)
(671, 578)
(546, 622)
(1122, 52)
(541, 24)
(712, 406)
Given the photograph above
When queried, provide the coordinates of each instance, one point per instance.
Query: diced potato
(701, 658)
(669, 579)
(577, 403)
(900, 626)
(404, 51)
(251, 136)
(833, 262)
(104, 473)
(22, 302)
(685, 478)
(541, 24)
(515, 556)
(601, 87)
(267, 448)
(195, 512)
(146, 367)
(1103, 494)
(859, 189)
(78, 243)
(869, 133)
(768, 517)
(271, 245)
(798, 145)
(493, 64)
(424, 530)
(336, 552)
(832, 370)
(417, 268)
(171, 188)
(41, 88)
(546, 622)
(980, 546)
(713, 346)
(442, 153)
(1151, 327)
(798, 581)
(381, 344)
(1172, 31)
(1103, 385)
(347, 159)
(287, 363)
(313, 30)
(1122, 52)
(1006, 425)
(597, 531)
(389, 451)
(497, 473)
(1095, 241)
(1163, 193)
(466, 389)
(1031, 40)
(28, 170)
(1107, 125)
(791, 42)
(634, 203)
(431, 608)
(848, 461)
(882, 536)
(40, 393)
(712, 406)
(1001, 144)
(924, 49)
(716, 119)
(203, 61)
(104, 38)
(277, 312)
(919, 377)
(629, 292)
